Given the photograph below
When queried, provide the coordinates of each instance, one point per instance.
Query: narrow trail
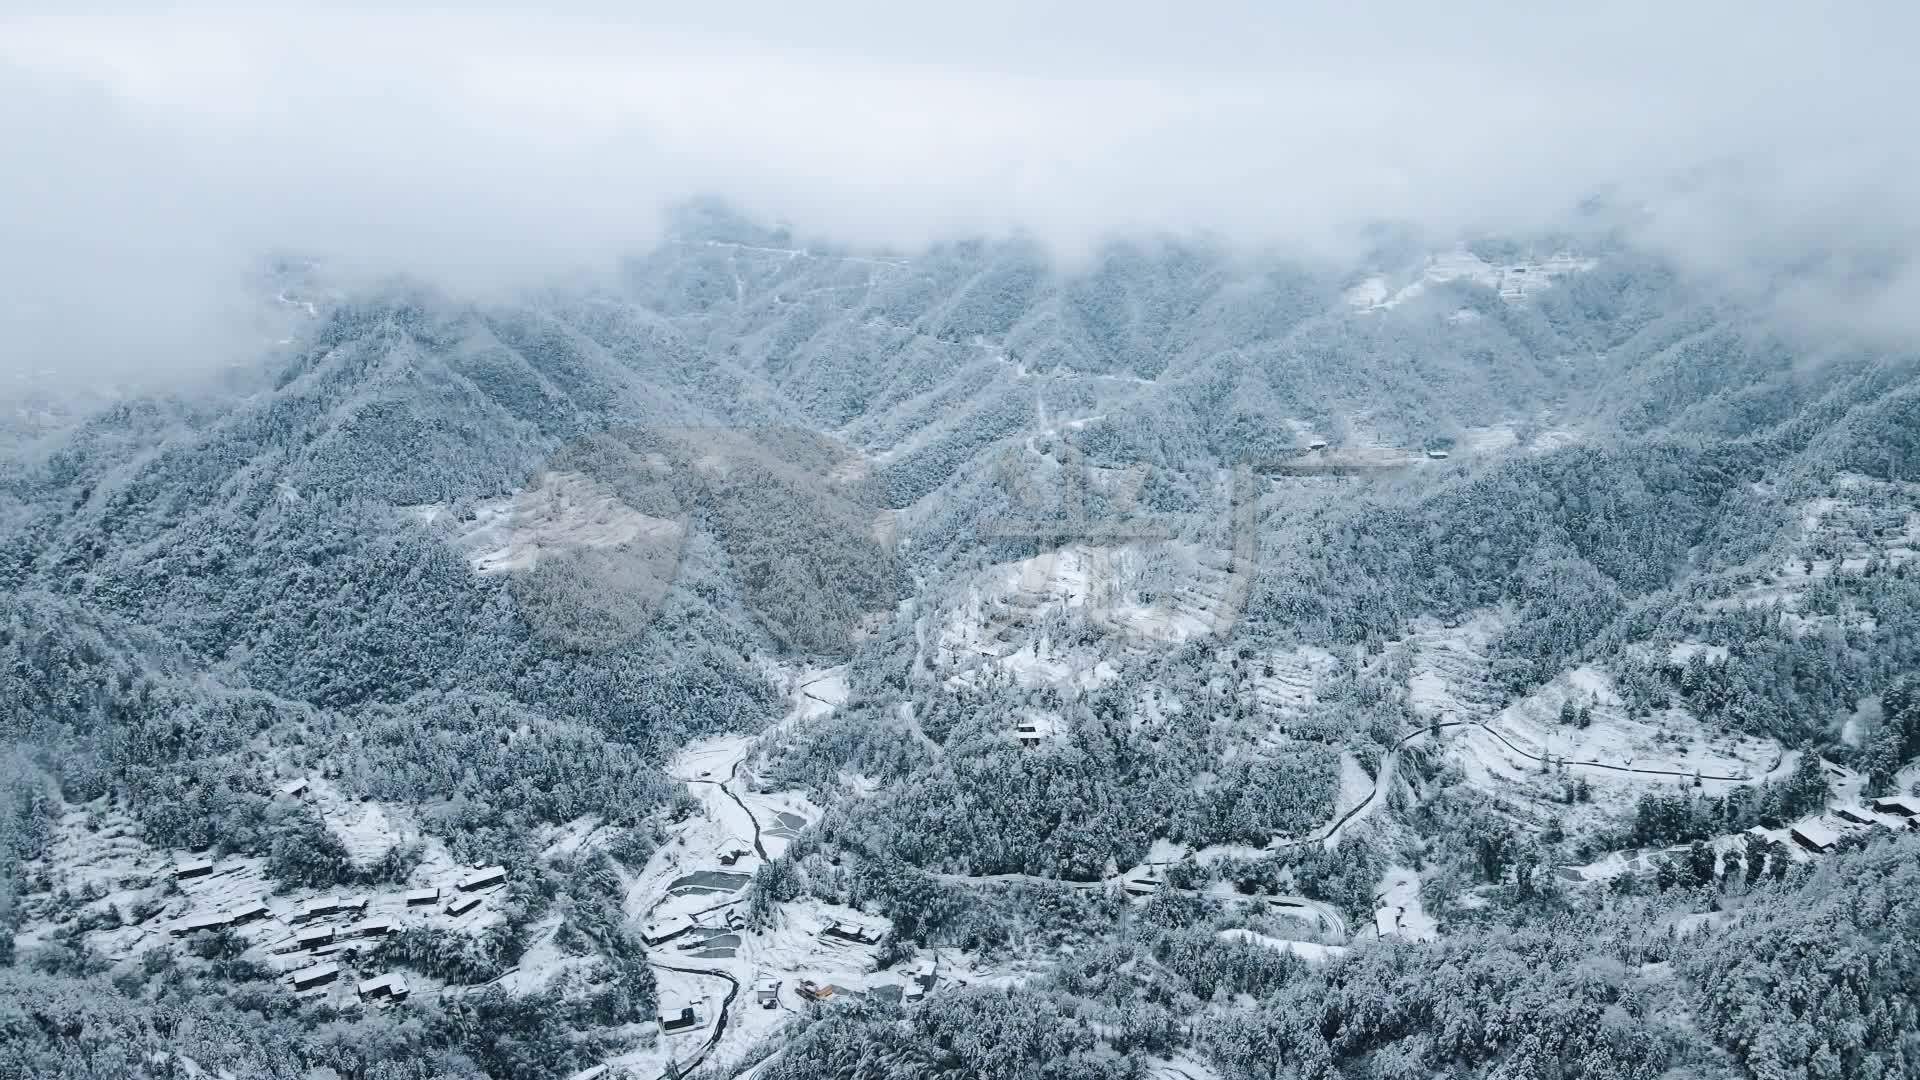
(920, 735)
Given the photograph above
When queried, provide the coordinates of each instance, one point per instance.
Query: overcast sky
(151, 156)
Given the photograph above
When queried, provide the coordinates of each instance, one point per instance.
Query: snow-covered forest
(958, 664)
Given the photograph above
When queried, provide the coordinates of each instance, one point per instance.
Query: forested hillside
(1180, 662)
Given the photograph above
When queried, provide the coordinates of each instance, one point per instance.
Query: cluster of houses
(314, 932)
(1823, 834)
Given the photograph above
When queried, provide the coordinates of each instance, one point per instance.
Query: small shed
(766, 993)
(296, 789)
(391, 985)
(192, 868)
(681, 1018)
(1029, 734)
(484, 877)
(423, 897)
(313, 935)
(317, 975)
(1317, 445)
(460, 905)
(1437, 455)
(1815, 836)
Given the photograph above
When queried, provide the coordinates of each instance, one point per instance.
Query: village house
(192, 868)
(390, 985)
(1906, 806)
(312, 936)
(665, 929)
(247, 913)
(1815, 836)
(859, 935)
(483, 877)
(460, 905)
(317, 975)
(195, 923)
(677, 1018)
(766, 993)
(419, 897)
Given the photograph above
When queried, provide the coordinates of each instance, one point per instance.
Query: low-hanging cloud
(154, 158)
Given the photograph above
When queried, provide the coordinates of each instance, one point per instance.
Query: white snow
(1400, 895)
(560, 512)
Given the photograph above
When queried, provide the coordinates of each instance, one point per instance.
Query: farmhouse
(192, 868)
(196, 923)
(390, 985)
(1907, 806)
(733, 851)
(483, 877)
(311, 936)
(1815, 836)
(767, 993)
(683, 1018)
(317, 975)
(419, 897)
(463, 904)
